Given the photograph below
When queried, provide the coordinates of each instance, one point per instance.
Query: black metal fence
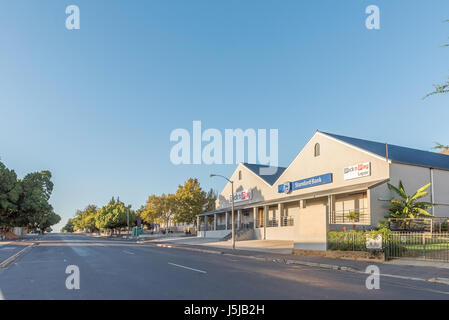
(437, 225)
(418, 246)
(411, 245)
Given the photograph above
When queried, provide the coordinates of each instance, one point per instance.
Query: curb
(308, 264)
(16, 256)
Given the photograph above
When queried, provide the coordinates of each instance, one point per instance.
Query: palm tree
(439, 146)
(407, 206)
(354, 217)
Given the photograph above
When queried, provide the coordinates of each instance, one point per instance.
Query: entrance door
(260, 217)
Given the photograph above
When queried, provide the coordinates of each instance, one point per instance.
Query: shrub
(347, 241)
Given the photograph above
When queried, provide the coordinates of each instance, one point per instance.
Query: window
(240, 175)
(350, 209)
(317, 149)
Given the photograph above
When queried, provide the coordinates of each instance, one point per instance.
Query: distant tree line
(182, 207)
(25, 202)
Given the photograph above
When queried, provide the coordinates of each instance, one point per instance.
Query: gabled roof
(398, 154)
(270, 179)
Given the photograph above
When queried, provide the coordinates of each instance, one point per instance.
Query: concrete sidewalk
(266, 246)
(280, 252)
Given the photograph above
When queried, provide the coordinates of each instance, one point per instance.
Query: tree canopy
(69, 227)
(85, 219)
(25, 202)
(160, 208)
(183, 206)
(114, 216)
(191, 199)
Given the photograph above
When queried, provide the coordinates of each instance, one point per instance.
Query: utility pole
(232, 206)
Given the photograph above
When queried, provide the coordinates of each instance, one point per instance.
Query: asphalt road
(117, 269)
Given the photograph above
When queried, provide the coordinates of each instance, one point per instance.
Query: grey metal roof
(270, 179)
(399, 154)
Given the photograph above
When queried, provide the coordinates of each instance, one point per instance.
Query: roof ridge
(396, 153)
(372, 141)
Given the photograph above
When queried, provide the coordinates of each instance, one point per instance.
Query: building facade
(335, 181)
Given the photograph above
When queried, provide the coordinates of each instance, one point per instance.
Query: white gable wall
(441, 192)
(260, 189)
(334, 157)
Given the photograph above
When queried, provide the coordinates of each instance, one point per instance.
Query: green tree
(151, 211)
(68, 226)
(439, 146)
(10, 190)
(160, 209)
(34, 209)
(211, 198)
(114, 216)
(408, 206)
(190, 201)
(49, 219)
(25, 202)
(85, 219)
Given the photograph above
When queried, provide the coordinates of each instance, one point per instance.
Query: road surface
(120, 269)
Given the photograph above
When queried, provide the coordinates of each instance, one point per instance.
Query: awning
(311, 195)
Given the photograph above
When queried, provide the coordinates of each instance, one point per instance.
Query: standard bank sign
(305, 183)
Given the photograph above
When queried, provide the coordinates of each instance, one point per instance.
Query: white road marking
(178, 265)
(128, 252)
(2, 297)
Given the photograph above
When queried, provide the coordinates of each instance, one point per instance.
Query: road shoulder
(409, 272)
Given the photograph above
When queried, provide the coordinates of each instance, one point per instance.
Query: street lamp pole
(232, 206)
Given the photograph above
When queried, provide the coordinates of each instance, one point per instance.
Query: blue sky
(96, 106)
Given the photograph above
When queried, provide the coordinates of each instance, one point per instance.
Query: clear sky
(96, 106)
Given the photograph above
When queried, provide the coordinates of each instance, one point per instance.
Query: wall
(413, 178)
(441, 192)
(213, 234)
(334, 157)
(250, 180)
(378, 208)
(313, 226)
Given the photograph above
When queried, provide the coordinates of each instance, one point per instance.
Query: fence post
(353, 241)
(424, 244)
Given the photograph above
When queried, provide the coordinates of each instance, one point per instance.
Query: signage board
(357, 171)
(242, 196)
(374, 243)
(305, 183)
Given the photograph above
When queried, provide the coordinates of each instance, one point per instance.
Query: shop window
(317, 149)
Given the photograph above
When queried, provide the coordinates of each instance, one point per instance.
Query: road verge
(16, 256)
(302, 263)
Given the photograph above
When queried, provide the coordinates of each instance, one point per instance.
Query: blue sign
(305, 183)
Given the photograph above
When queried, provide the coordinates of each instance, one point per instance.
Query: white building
(331, 177)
